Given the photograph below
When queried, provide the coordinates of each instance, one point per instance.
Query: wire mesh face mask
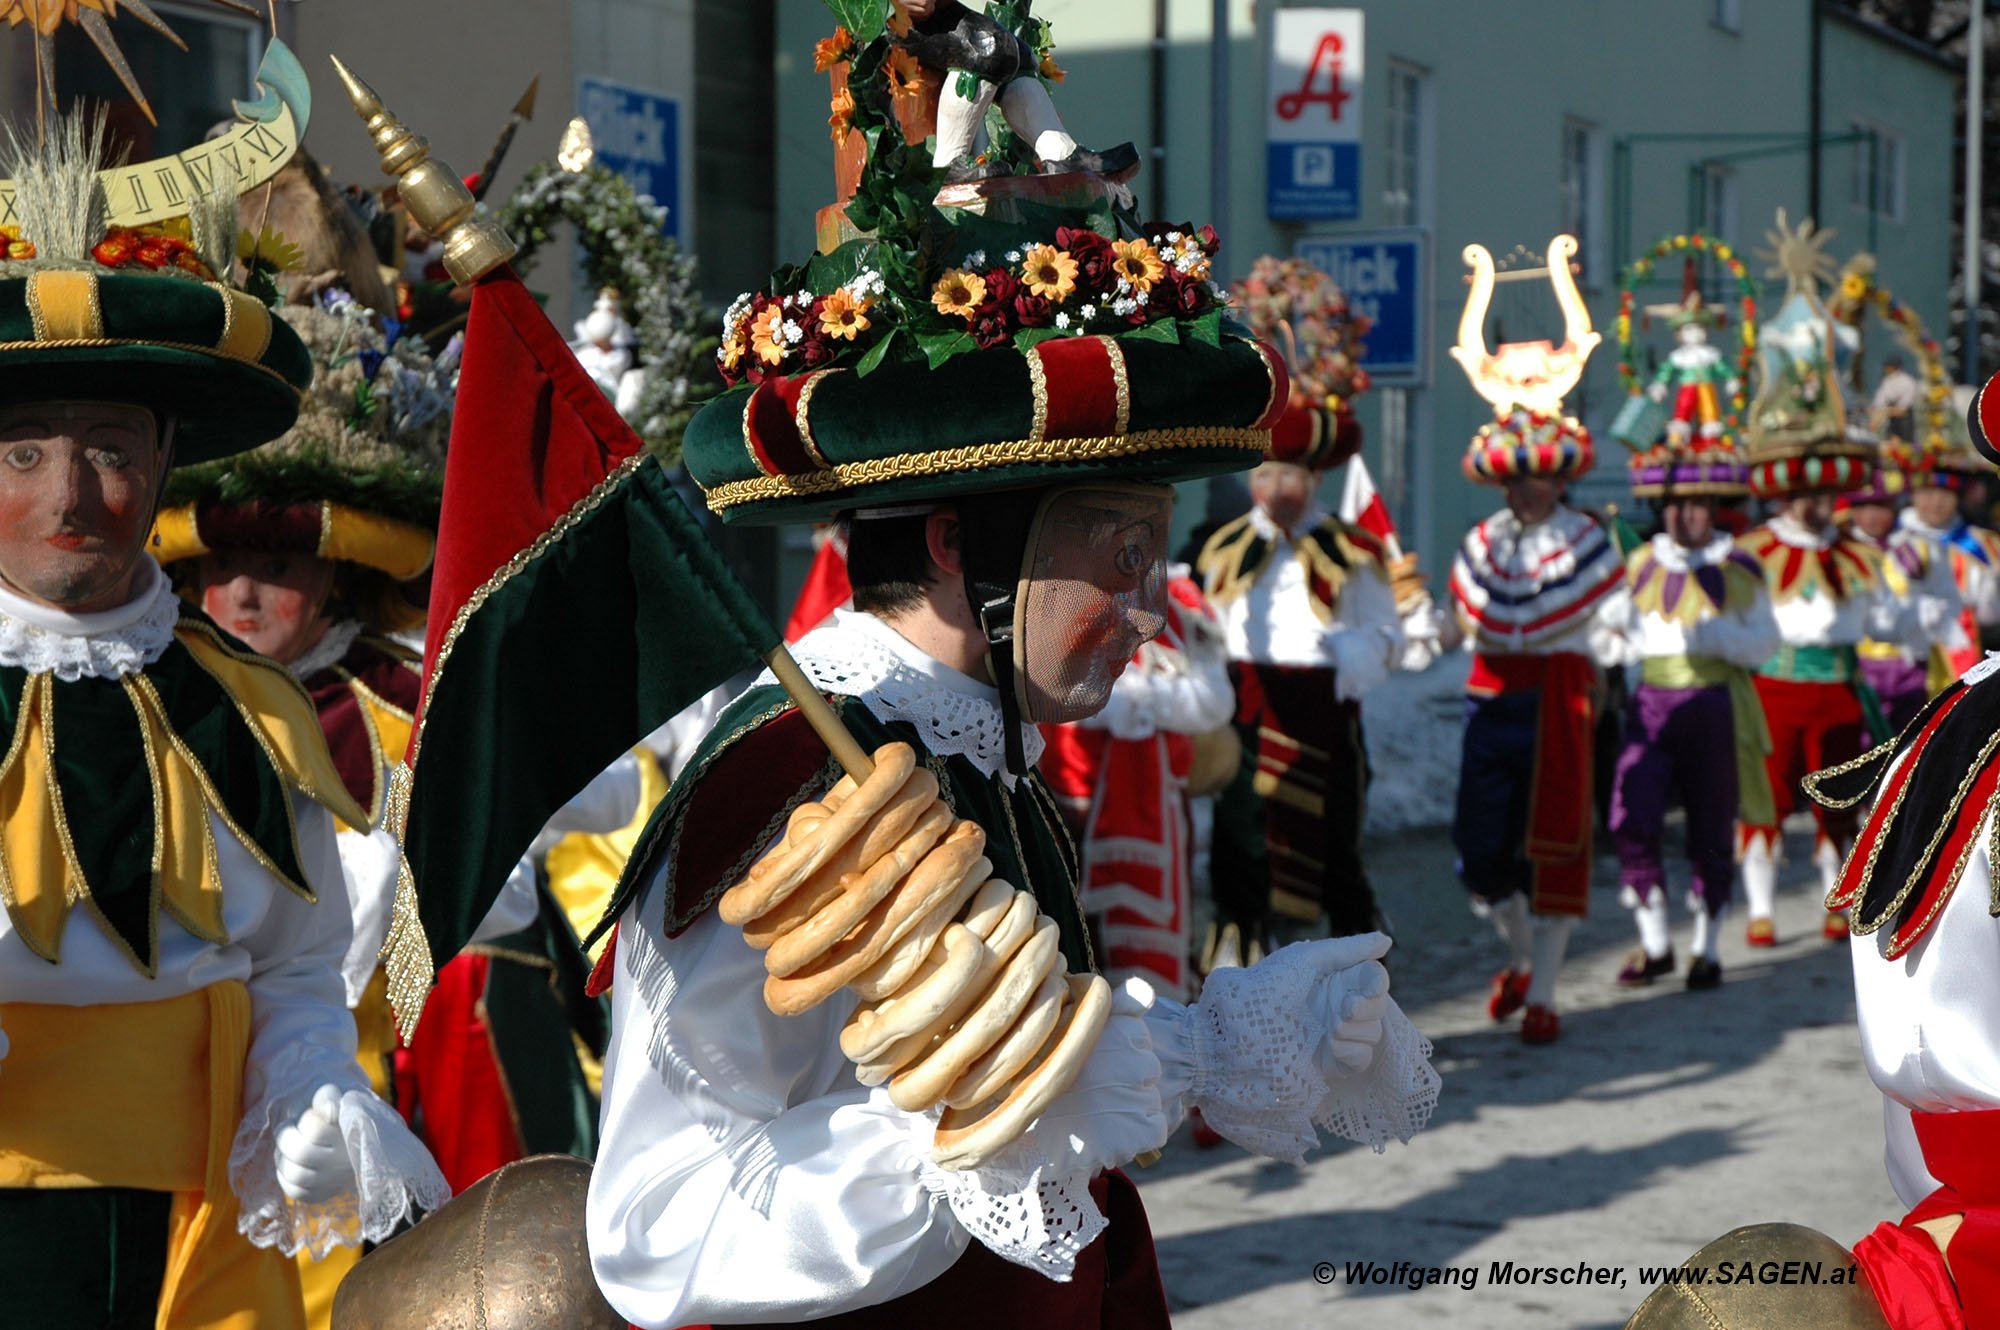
(1093, 590)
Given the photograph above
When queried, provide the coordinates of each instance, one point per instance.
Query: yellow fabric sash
(69, 1119)
(1755, 804)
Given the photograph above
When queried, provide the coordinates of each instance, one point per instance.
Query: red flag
(1361, 505)
(575, 607)
(826, 590)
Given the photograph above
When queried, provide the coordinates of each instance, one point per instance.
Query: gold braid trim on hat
(979, 457)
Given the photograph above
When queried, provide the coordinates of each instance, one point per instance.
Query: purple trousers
(1902, 687)
(1677, 739)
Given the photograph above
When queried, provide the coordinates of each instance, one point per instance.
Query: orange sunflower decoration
(93, 16)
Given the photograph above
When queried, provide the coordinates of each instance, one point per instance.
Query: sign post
(1386, 277)
(1313, 116)
(638, 135)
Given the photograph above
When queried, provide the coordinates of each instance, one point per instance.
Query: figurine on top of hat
(184, 1096)
(994, 395)
(1829, 588)
(1540, 587)
(1701, 621)
(1312, 625)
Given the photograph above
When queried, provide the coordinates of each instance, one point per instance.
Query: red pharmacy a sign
(1313, 115)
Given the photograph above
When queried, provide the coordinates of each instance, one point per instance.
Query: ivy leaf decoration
(864, 19)
(876, 353)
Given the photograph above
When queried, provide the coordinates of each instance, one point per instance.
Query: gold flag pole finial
(437, 199)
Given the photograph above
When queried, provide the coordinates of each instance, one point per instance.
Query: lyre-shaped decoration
(1533, 375)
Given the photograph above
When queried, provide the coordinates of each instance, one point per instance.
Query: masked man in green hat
(180, 1107)
(994, 410)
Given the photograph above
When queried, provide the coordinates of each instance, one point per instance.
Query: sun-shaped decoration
(1799, 256)
(93, 16)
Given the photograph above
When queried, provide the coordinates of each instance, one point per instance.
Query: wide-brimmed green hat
(207, 354)
(801, 448)
(955, 337)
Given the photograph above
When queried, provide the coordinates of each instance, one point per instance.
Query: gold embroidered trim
(1942, 826)
(803, 415)
(1038, 389)
(246, 324)
(325, 527)
(1272, 400)
(1121, 383)
(978, 457)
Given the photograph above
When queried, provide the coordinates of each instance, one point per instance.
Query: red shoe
(1834, 927)
(1761, 933)
(1510, 992)
(1205, 1136)
(1540, 1026)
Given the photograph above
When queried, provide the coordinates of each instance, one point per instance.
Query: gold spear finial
(437, 199)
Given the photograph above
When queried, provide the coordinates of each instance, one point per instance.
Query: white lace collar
(331, 648)
(1801, 537)
(108, 644)
(1261, 523)
(858, 655)
(1676, 557)
(1907, 520)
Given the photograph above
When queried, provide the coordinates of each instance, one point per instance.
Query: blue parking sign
(638, 135)
(1312, 127)
(1386, 276)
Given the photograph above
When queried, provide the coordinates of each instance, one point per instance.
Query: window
(1728, 15)
(1878, 171)
(1404, 195)
(190, 92)
(1718, 201)
(1580, 195)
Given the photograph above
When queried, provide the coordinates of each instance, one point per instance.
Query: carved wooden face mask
(1093, 590)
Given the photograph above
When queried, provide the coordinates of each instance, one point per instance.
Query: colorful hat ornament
(1799, 436)
(1292, 305)
(1678, 425)
(1015, 331)
(1896, 468)
(1525, 382)
(104, 298)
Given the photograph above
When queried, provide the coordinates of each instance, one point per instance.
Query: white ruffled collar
(1675, 557)
(858, 655)
(1261, 523)
(107, 644)
(1907, 520)
(1801, 537)
(331, 649)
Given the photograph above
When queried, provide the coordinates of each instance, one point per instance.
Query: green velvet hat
(967, 337)
(90, 311)
(210, 356)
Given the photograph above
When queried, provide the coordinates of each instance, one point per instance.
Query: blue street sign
(1314, 182)
(1386, 276)
(638, 135)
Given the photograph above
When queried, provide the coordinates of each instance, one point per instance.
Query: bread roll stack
(965, 1001)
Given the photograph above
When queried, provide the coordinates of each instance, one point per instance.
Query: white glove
(1351, 1002)
(313, 1166)
(1112, 1113)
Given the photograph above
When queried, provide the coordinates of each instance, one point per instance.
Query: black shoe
(1119, 163)
(971, 170)
(1704, 973)
(1640, 969)
(975, 44)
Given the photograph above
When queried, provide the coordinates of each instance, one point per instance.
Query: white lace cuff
(1245, 1056)
(1021, 1212)
(394, 1178)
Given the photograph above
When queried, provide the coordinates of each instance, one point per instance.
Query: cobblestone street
(1661, 1120)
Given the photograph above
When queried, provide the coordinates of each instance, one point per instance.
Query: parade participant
(1701, 620)
(1828, 589)
(1902, 676)
(1893, 411)
(1311, 626)
(1121, 778)
(1541, 588)
(1006, 554)
(204, 971)
(1969, 554)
